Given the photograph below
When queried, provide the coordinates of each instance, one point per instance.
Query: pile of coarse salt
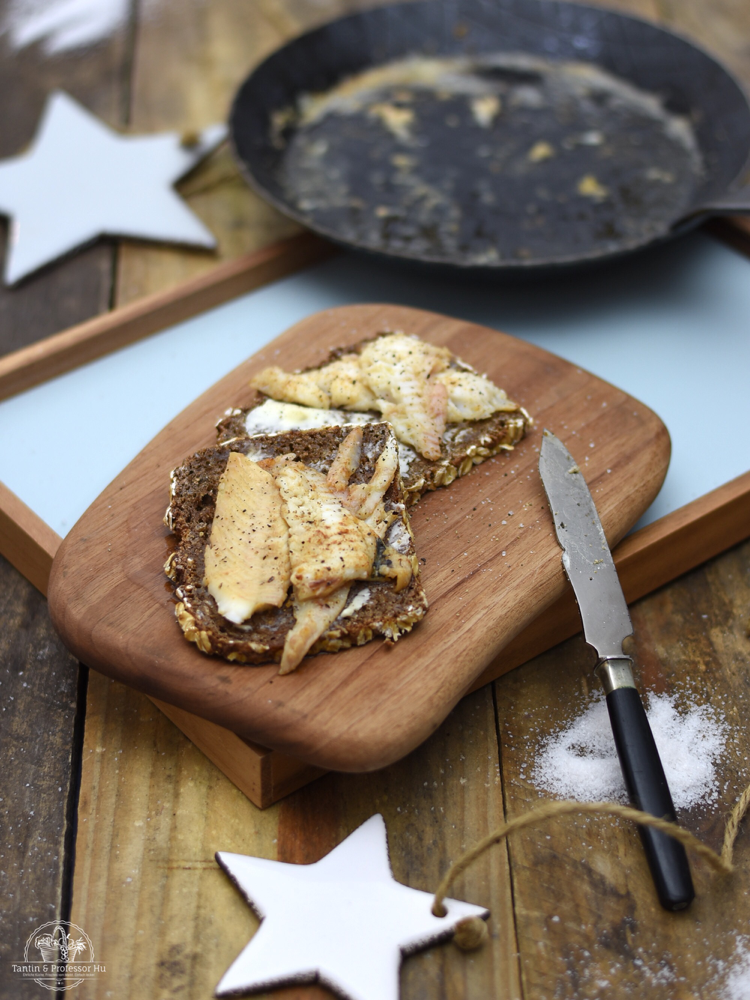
(580, 761)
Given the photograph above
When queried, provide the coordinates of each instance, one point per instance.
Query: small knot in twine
(190, 138)
(470, 933)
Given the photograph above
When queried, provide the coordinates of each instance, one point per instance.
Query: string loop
(721, 863)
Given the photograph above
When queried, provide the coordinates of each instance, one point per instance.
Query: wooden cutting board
(490, 562)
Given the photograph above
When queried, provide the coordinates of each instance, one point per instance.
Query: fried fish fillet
(446, 417)
(328, 605)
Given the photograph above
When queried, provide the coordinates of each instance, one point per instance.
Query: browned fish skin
(247, 558)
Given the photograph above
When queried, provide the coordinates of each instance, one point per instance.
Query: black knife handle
(648, 790)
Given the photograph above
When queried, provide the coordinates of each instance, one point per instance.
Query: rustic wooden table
(111, 816)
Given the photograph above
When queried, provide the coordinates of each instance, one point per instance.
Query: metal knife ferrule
(615, 672)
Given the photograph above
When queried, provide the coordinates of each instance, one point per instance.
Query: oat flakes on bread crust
(463, 444)
(373, 607)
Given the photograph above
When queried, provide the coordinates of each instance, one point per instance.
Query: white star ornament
(343, 922)
(80, 180)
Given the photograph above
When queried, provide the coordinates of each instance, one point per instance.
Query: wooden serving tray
(491, 562)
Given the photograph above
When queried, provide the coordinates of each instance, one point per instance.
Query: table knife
(591, 570)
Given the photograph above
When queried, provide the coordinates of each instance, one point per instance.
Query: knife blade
(590, 568)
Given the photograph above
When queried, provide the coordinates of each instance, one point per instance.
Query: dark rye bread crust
(261, 639)
(464, 445)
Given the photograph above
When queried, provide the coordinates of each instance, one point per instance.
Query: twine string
(733, 825)
(721, 863)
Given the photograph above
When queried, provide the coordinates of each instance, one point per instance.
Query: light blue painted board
(671, 327)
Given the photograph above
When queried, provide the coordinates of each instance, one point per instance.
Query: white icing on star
(80, 180)
(343, 922)
(62, 25)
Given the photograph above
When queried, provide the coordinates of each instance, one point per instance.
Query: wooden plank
(38, 749)
(435, 802)
(108, 599)
(263, 775)
(42, 692)
(105, 334)
(724, 33)
(153, 812)
(26, 540)
(585, 906)
(635, 8)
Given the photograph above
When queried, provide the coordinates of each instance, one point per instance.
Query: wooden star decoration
(343, 922)
(80, 180)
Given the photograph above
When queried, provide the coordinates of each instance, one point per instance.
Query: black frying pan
(494, 134)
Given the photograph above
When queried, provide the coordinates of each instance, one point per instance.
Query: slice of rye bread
(261, 639)
(464, 444)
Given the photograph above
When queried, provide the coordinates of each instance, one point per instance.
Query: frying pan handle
(731, 203)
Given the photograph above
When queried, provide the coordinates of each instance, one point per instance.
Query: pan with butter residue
(506, 136)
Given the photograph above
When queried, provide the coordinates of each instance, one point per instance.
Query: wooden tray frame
(645, 560)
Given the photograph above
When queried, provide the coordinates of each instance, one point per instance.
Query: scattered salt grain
(580, 761)
(736, 985)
